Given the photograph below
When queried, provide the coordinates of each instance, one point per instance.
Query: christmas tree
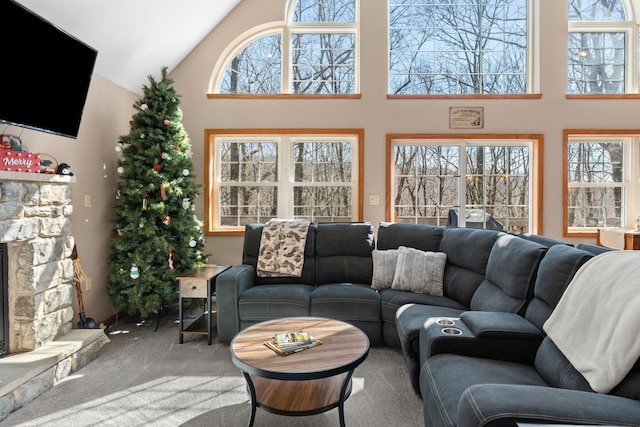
(157, 235)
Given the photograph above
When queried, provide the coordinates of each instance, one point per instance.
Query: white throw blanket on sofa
(282, 246)
(595, 323)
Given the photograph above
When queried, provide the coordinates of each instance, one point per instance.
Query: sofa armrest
(492, 335)
(486, 405)
(485, 324)
(230, 284)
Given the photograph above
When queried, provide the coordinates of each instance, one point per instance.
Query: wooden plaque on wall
(466, 117)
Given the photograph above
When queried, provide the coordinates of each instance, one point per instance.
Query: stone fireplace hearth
(42, 346)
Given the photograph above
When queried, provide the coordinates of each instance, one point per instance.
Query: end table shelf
(200, 283)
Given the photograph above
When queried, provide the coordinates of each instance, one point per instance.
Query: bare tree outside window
(427, 182)
(322, 44)
(597, 62)
(324, 11)
(323, 63)
(458, 47)
(328, 165)
(256, 69)
(596, 194)
(249, 171)
(596, 10)
(283, 174)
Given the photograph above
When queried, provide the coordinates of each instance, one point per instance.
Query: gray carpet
(145, 378)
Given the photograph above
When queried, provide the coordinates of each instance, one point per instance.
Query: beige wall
(109, 107)
(92, 158)
(379, 116)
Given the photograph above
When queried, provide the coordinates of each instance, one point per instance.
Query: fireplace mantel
(35, 177)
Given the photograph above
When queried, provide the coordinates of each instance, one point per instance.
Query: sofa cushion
(343, 252)
(556, 369)
(392, 235)
(419, 271)
(543, 240)
(265, 302)
(345, 301)
(555, 272)
(511, 273)
(384, 268)
(467, 252)
(445, 377)
(354, 303)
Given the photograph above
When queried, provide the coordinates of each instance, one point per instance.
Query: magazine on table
(285, 343)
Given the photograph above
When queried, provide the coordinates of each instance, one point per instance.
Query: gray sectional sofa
(496, 288)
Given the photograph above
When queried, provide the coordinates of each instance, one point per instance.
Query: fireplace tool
(79, 277)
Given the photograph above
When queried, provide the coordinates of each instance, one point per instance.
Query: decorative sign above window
(466, 117)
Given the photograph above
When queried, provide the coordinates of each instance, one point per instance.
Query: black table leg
(345, 391)
(252, 395)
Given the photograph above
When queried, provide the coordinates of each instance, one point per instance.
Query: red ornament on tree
(157, 168)
(166, 122)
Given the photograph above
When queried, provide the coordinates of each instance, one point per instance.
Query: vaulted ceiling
(135, 38)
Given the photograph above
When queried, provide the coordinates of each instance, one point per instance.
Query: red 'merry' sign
(19, 161)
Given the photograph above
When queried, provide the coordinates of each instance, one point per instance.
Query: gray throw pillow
(419, 271)
(384, 268)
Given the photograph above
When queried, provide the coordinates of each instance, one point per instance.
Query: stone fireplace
(42, 347)
(35, 225)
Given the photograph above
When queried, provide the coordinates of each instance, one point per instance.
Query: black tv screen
(44, 75)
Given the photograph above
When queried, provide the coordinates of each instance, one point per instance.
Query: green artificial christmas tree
(157, 235)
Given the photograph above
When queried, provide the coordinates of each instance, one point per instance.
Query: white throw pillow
(419, 271)
(384, 268)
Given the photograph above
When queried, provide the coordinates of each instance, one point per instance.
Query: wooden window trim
(566, 133)
(209, 163)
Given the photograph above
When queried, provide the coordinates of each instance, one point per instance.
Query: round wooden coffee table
(304, 383)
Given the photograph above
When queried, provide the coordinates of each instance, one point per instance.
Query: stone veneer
(35, 224)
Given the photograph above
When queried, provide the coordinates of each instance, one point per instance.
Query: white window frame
(286, 183)
(534, 223)
(631, 39)
(630, 184)
(287, 29)
(632, 42)
(533, 51)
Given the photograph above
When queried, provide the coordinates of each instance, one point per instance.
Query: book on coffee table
(290, 338)
(286, 343)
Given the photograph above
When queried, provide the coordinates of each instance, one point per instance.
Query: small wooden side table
(200, 283)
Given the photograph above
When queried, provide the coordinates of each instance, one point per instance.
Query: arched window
(460, 48)
(313, 54)
(602, 48)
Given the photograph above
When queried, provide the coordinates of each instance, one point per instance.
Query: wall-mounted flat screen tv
(44, 73)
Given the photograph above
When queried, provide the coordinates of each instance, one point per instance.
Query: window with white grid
(313, 54)
(602, 50)
(601, 176)
(253, 178)
(460, 47)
